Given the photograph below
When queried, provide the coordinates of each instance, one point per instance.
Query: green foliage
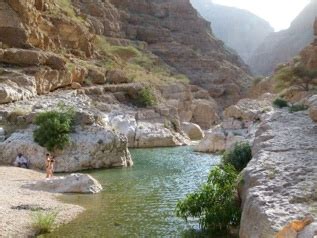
(239, 156)
(283, 77)
(146, 97)
(43, 222)
(297, 108)
(280, 103)
(54, 128)
(215, 203)
(298, 76)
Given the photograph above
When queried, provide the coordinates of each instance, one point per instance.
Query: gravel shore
(16, 203)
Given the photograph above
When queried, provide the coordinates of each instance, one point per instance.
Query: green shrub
(280, 103)
(54, 128)
(215, 203)
(297, 108)
(43, 222)
(239, 156)
(146, 97)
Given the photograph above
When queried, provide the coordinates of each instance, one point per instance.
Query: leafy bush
(280, 103)
(43, 222)
(297, 108)
(239, 156)
(54, 128)
(146, 97)
(215, 203)
(297, 75)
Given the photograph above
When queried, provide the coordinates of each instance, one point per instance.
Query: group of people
(22, 162)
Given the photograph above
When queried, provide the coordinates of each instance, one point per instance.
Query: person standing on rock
(49, 164)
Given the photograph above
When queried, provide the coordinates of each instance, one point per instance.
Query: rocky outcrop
(167, 28)
(192, 130)
(90, 148)
(281, 46)
(147, 129)
(239, 124)
(239, 29)
(279, 183)
(73, 183)
(217, 140)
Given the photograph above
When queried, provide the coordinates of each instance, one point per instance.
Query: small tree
(239, 156)
(298, 76)
(54, 128)
(215, 203)
(303, 76)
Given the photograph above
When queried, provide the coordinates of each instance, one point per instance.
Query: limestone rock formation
(239, 29)
(147, 132)
(279, 182)
(73, 183)
(239, 125)
(174, 32)
(192, 130)
(281, 46)
(90, 148)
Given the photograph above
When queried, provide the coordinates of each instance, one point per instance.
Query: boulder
(96, 76)
(193, 131)
(73, 183)
(91, 147)
(204, 113)
(248, 110)
(75, 85)
(312, 103)
(218, 140)
(150, 135)
(214, 141)
(117, 76)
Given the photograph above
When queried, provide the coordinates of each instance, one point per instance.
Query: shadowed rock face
(281, 46)
(237, 28)
(174, 31)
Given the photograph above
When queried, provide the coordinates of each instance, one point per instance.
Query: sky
(279, 13)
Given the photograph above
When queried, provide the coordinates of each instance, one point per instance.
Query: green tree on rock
(54, 128)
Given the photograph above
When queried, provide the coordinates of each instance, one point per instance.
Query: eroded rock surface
(73, 183)
(279, 183)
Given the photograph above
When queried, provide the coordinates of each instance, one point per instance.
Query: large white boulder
(91, 147)
(156, 135)
(217, 140)
(192, 130)
(74, 183)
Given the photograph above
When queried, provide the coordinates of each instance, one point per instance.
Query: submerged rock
(74, 183)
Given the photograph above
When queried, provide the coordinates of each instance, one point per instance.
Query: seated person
(21, 161)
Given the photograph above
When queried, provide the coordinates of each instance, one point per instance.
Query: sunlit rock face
(174, 31)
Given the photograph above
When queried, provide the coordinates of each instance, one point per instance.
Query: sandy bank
(16, 222)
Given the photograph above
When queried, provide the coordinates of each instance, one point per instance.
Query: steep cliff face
(238, 29)
(282, 46)
(174, 32)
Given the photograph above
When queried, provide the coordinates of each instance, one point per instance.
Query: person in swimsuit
(49, 164)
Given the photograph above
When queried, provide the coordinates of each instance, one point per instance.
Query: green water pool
(140, 201)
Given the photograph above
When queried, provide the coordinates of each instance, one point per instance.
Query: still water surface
(140, 201)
